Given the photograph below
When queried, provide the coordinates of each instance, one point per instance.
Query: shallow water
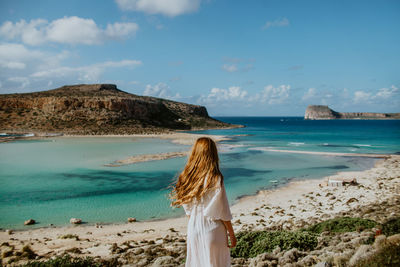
(55, 179)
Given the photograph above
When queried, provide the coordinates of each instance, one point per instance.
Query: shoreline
(175, 137)
(12, 135)
(291, 206)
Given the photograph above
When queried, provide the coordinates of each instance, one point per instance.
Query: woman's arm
(232, 237)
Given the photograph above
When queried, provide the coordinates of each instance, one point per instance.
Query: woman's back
(201, 192)
(207, 243)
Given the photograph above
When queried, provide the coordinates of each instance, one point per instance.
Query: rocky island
(98, 109)
(320, 112)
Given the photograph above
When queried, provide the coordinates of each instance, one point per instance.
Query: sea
(54, 179)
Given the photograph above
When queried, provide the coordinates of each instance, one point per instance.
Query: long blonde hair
(203, 163)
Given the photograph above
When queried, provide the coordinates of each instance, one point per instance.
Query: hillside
(319, 112)
(98, 109)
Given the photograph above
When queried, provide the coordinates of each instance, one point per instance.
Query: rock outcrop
(320, 112)
(98, 109)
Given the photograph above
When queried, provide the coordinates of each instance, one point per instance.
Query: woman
(200, 190)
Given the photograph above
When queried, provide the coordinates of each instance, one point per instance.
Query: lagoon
(54, 179)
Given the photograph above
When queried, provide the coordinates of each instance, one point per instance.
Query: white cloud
(311, 93)
(361, 97)
(13, 65)
(120, 30)
(17, 53)
(30, 33)
(230, 67)
(22, 68)
(16, 57)
(275, 95)
(160, 90)
(386, 93)
(90, 73)
(280, 22)
(169, 8)
(67, 30)
(233, 93)
(22, 81)
(237, 64)
(383, 94)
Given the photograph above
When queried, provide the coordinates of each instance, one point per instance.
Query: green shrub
(342, 225)
(68, 261)
(250, 244)
(27, 252)
(387, 256)
(391, 227)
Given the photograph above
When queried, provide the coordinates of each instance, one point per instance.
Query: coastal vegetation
(68, 261)
(391, 227)
(251, 244)
(342, 225)
(272, 247)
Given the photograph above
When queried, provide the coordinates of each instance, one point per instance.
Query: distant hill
(319, 112)
(98, 109)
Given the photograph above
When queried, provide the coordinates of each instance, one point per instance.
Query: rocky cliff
(98, 109)
(319, 112)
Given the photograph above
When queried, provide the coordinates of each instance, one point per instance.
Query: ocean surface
(55, 179)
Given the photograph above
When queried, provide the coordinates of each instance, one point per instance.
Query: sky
(237, 58)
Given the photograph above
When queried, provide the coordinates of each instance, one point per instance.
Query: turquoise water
(55, 179)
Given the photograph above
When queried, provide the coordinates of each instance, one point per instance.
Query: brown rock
(75, 221)
(317, 112)
(29, 222)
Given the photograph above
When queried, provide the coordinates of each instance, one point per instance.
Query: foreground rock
(29, 222)
(98, 109)
(75, 221)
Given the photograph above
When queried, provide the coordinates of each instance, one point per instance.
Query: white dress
(207, 239)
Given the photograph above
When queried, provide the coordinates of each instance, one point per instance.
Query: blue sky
(263, 58)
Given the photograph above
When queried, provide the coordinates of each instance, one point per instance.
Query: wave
(334, 145)
(362, 145)
(296, 143)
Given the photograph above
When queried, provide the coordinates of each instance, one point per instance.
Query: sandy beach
(292, 206)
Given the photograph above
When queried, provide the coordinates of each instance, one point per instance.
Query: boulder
(380, 241)
(75, 221)
(322, 264)
(363, 252)
(130, 219)
(164, 261)
(29, 222)
(290, 256)
(394, 240)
